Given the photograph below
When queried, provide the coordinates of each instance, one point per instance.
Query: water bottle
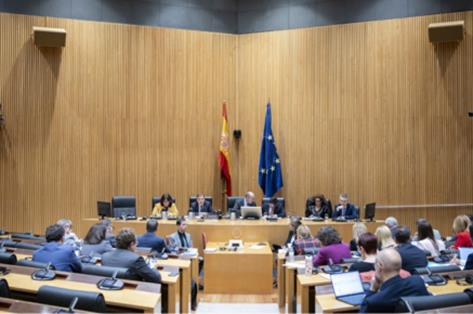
(308, 265)
(291, 253)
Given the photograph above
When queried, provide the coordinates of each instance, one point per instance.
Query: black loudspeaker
(237, 134)
(470, 114)
(446, 32)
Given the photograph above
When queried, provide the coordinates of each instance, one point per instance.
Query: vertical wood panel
(372, 109)
(121, 110)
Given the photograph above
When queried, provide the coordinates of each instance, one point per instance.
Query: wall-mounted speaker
(49, 37)
(237, 134)
(446, 32)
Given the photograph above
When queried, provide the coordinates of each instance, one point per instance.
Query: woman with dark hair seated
(95, 242)
(317, 206)
(368, 246)
(332, 247)
(426, 240)
(166, 204)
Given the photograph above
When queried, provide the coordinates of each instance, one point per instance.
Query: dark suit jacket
(136, 265)
(350, 213)
(289, 237)
(278, 210)
(206, 208)
(412, 257)
(150, 240)
(386, 299)
(238, 205)
(61, 256)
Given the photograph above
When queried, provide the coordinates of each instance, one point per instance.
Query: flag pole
(224, 194)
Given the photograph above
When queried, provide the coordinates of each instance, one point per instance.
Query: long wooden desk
(184, 282)
(274, 232)
(328, 304)
(136, 295)
(308, 286)
(246, 271)
(288, 277)
(20, 306)
(177, 285)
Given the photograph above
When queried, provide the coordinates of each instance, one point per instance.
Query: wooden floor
(239, 298)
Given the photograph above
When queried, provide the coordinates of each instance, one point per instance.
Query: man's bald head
(389, 261)
(250, 197)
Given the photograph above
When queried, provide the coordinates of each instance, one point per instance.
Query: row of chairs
(428, 303)
(83, 300)
(126, 204)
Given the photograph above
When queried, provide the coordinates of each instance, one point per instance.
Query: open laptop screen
(346, 283)
(464, 252)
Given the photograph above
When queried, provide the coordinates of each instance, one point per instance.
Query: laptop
(348, 287)
(469, 263)
(251, 212)
(463, 253)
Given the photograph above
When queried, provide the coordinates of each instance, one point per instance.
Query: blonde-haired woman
(305, 243)
(358, 229)
(385, 238)
(460, 228)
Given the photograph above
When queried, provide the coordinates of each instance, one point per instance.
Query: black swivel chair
(265, 202)
(104, 271)
(123, 206)
(8, 258)
(28, 236)
(9, 243)
(28, 246)
(231, 200)
(193, 199)
(430, 302)
(156, 199)
(87, 301)
(311, 202)
(30, 263)
(4, 289)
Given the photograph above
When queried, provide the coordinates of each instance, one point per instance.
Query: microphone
(114, 276)
(73, 304)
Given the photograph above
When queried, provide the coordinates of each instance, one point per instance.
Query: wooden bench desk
(136, 295)
(246, 271)
(20, 306)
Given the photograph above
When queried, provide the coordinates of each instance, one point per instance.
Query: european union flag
(270, 174)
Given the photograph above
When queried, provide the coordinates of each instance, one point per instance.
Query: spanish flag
(224, 152)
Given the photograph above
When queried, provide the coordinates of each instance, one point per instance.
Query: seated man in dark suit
(150, 239)
(124, 256)
(345, 209)
(273, 207)
(388, 287)
(248, 201)
(412, 257)
(201, 205)
(61, 256)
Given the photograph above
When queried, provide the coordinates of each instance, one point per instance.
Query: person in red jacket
(460, 227)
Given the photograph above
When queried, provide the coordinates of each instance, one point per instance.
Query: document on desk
(192, 252)
(297, 264)
(210, 250)
(324, 275)
(257, 247)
